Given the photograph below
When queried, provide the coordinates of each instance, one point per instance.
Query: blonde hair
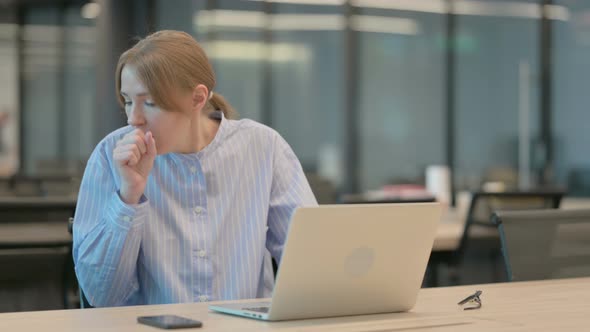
(168, 62)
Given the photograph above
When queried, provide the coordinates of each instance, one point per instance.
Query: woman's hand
(134, 157)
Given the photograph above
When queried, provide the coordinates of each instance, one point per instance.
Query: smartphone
(169, 322)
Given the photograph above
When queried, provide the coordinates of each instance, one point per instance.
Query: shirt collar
(219, 136)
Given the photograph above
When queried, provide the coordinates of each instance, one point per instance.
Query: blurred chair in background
(578, 182)
(82, 300)
(478, 220)
(545, 244)
(323, 189)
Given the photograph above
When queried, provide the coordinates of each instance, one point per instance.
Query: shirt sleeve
(107, 236)
(289, 191)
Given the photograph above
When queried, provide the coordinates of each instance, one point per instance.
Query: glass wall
(307, 84)
(59, 83)
(79, 82)
(497, 89)
(284, 63)
(571, 77)
(401, 83)
(42, 96)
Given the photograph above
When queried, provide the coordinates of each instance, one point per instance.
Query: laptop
(342, 260)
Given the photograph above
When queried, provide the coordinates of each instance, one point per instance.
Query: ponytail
(218, 103)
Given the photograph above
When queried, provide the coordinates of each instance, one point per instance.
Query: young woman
(184, 204)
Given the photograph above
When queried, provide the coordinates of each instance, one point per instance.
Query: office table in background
(35, 222)
(35, 253)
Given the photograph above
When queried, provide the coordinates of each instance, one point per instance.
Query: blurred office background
(369, 93)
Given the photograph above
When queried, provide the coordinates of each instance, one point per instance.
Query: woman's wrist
(130, 195)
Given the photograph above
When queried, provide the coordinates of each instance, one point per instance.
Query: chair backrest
(545, 244)
(324, 190)
(483, 205)
(84, 304)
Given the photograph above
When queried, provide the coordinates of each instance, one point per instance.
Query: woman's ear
(200, 97)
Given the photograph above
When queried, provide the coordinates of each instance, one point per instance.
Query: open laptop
(342, 260)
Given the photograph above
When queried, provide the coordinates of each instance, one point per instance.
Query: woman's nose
(135, 117)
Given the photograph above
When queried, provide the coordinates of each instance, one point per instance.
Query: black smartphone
(169, 322)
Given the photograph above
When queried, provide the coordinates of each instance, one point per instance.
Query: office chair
(84, 304)
(578, 182)
(544, 244)
(483, 204)
(323, 189)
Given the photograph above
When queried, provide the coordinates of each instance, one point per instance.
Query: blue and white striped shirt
(206, 231)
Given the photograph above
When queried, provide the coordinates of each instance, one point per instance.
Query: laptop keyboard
(258, 309)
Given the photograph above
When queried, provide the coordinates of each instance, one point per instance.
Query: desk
(34, 234)
(449, 230)
(556, 305)
(34, 222)
(34, 202)
(35, 252)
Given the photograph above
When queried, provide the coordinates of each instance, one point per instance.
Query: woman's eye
(150, 104)
(127, 103)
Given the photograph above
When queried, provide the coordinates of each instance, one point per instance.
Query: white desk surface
(557, 305)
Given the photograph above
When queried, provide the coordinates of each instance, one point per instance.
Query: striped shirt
(205, 229)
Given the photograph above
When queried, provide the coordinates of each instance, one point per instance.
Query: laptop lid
(344, 260)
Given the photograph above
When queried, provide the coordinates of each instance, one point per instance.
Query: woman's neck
(202, 131)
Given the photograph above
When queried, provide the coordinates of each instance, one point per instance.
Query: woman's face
(167, 127)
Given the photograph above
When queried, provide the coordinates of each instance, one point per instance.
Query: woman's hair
(170, 61)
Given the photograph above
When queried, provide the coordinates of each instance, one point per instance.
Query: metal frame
(352, 119)
(546, 92)
(449, 85)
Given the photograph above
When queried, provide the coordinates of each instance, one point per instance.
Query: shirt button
(193, 169)
(126, 219)
(203, 298)
(202, 253)
(198, 210)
